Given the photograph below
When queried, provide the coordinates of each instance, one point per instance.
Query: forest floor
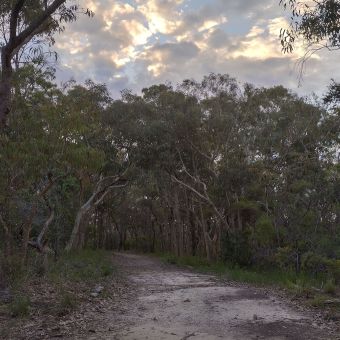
(146, 298)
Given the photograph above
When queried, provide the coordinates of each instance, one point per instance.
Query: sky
(134, 44)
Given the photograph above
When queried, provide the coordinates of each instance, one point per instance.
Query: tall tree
(23, 20)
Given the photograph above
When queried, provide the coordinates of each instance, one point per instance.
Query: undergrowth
(73, 273)
(316, 291)
(86, 265)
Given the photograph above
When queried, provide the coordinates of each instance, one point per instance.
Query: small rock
(5, 295)
(98, 289)
(255, 317)
(187, 300)
(94, 294)
(92, 331)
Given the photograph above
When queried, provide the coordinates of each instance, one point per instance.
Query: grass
(87, 265)
(235, 273)
(330, 287)
(67, 302)
(20, 306)
(315, 290)
(69, 278)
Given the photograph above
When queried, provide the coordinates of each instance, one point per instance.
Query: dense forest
(216, 169)
(205, 207)
(213, 169)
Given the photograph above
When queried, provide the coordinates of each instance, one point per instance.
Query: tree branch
(35, 25)
(14, 20)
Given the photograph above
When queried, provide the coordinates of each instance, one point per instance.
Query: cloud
(164, 58)
(163, 16)
(137, 43)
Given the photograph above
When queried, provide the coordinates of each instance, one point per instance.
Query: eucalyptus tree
(27, 23)
(317, 22)
(231, 171)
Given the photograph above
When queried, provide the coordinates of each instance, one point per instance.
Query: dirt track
(171, 303)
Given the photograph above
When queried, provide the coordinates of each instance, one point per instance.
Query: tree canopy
(317, 22)
(26, 26)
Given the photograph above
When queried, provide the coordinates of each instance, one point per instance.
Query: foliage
(20, 306)
(87, 265)
(212, 169)
(317, 22)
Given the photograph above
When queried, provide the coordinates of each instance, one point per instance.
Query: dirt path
(172, 303)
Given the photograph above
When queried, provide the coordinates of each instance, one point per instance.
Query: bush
(172, 259)
(264, 231)
(316, 264)
(236, 247)
(285, 258)
(333, 269)
(86, 265)
(20, 306)
(330, 287)
(67, 303)
(313, 263)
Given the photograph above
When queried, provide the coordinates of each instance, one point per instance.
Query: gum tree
(23, 21)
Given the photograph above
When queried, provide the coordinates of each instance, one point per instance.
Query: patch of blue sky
(237, 25)
(194, 4)
(130, 2)
(160, 38)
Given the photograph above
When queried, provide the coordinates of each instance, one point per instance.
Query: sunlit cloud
(136, 43)
(163, 16)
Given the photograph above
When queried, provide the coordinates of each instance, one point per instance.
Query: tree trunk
(100, 192)
(178, 225)
(26, 234)
(5, 86)
(75, 237)
(206, 236)
(7, 240)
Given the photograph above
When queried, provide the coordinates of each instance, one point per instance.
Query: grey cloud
(221, 39)
(175, 52)
(184, 59)
(255, 9)
(194, 20)
(103, 67)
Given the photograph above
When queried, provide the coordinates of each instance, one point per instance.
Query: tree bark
(7, 250)
(103, 187)
(26, 233)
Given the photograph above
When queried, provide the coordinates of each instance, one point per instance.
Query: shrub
(318, 301)
(330, 287)
(67, 303)
(313, 263)
(264, 231)
(236, 247)
(20, 306)
(285, 258)
(333, 269)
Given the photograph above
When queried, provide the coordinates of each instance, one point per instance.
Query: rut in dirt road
(173, 303)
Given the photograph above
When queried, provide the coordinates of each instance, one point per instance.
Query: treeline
(235, 173)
